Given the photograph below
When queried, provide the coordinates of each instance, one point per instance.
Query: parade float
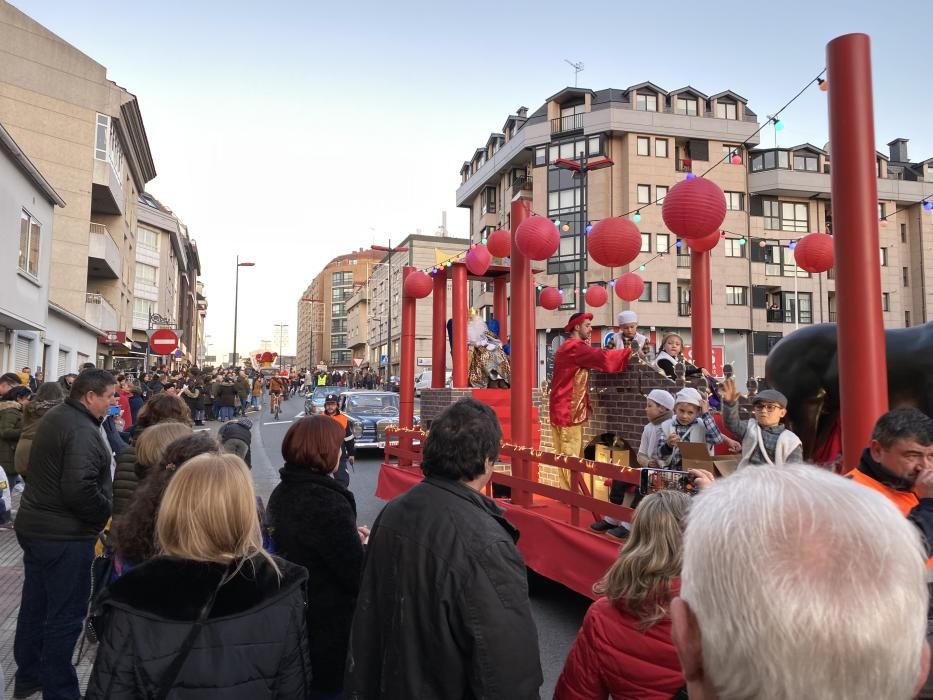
(555, 540)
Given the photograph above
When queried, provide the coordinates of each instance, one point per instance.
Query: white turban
(627, 317)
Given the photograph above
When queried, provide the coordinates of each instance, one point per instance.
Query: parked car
(371, 413)
(314, 399)
(423, 380)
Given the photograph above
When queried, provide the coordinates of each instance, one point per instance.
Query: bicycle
(275, 403)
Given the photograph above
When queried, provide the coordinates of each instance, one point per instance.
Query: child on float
(765, 440)
(670, 354)
(691, 422)
(658, 406)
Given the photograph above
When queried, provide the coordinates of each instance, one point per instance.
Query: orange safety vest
(342, 419)
(905, 501)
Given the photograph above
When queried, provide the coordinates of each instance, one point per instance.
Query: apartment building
(653, 138)
(322, 338)
(86, 135)
(358, 326)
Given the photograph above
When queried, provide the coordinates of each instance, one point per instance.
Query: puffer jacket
(612, 657)
(70, 488)
(11, 427)
(33, 411)
(225, 395)
(125, 480)
(253, 645)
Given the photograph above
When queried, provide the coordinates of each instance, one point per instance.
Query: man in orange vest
(342, 475)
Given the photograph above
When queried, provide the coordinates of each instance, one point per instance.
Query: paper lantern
(814, 252)
(614, 242)
(499, 243)
(551, 298)
(418, 285)
(537, 237)
(694, 208)
(478, 259)
(629, 286)
(736, 159)
(597, 295)
(701, 245)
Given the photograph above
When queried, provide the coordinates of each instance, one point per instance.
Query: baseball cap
(770, 395)
(576, 319)
(689, 395)
(662, 398)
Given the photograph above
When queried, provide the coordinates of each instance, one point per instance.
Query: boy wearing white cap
(628, 331)
(690, 423)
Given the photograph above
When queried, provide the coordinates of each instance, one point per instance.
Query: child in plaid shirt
(690, 423)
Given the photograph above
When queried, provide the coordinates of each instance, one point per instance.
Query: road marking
(277, 422)
(300, 415)
(200, 430)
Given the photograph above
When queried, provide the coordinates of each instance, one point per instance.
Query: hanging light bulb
(742, 241)
(778, 124)
(565, 228)
(612, 283)
(637, 216)
(690, 176)
(680, 243)
(589, 227)
(823, 83)
(792, 245)
(557, 222)
(762, 244)
(928, 205)
(642, 268)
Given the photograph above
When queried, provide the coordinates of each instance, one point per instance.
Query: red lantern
(537, 237)
(814, 252)
(499, 243)
(614, 242)
(478, 260)
(736, 159)
(551, 298)
(629, 286)
(701, 245)
(694, 208)
(596, 295)
(418, 285)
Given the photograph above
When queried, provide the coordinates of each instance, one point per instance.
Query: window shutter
(699, 149)
(755, 206)
(759, 297)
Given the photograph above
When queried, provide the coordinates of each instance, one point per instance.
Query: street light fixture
(236, 302)
(390, 250)
(309, 300)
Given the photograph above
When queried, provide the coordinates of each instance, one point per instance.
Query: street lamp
(236, 301)
(309, 300)
(390, 250)
(281, 328)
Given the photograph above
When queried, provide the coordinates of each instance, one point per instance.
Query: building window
(736, 296)
(794, 217)
(884, 257)
(885, 301)
(771, 213)
(664, 292)
(337, 310)
(103, 136)
(734, 248)
(338, 325)
(687, 105)
(338, 341)
(644, 194)
(905, 276)
(643, 146)
(906, 318)
(594, 145)
(660, 192)
(727, 110)
(683, 254)
(769, 160)
(567, 283)
(764, 341)
(662, 242)
(646, 102)
(541, 155)
(147, 238)
(903, 233)
(646, 293)
(806, 161)
(146, 274)
(660, 148)
(29, 237)
(341, 279)
(882, 209)
(645, 243)
(340, 357)
(489, 200)
(735, 201)
(729, 150)
(571, 150)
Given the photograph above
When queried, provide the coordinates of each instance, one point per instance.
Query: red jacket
(611, 657)
(570, 397)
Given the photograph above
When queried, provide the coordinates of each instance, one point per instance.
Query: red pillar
(863, 382)
(500, 306)
(407, 360)
(439, 331)
(701, 323)
(523, 350)
(460, 313)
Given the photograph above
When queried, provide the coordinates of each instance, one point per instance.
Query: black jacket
(125, 480)
(253, 645)
(70, 488)
(312, 520)
(225, 395)
(443, 608)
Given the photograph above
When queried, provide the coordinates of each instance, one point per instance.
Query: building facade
(653, 138)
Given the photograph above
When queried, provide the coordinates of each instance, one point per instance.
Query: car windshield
(373, 403)
(321, 392)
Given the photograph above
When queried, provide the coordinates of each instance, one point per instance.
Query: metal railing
(683, 260)
(522, 182)
(91, 298)
(572, 122)
(787, 316)
(683, 309)
(832, 316)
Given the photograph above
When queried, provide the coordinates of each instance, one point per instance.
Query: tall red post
(406, 413)
(523, 350)
(500, 306)
(701, 317)
(439, 331)
(863, 381)
(460, 314)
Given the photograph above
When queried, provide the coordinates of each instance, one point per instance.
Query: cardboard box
(620, 456)
(697, 456)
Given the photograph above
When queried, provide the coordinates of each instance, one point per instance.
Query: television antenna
(577, 69)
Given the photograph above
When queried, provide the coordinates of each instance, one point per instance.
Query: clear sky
(291, 132)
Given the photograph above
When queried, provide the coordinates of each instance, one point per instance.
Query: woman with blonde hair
(624, 648)
(214, 614)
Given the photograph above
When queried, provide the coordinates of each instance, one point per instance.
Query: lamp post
(236, 302)
(309, 300)
(390, 250)
(281, 330)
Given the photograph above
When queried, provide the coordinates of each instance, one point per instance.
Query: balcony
(787, 316)
(106, 190)
(565, 125)
(683, 309)
(104, 259)
(683, 260)
(99, 313)
(521, 183)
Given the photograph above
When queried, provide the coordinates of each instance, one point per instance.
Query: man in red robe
(570, 397)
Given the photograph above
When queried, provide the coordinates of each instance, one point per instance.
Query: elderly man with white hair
(797, 583)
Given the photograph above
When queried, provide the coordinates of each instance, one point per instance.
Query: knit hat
(689, 395)
(627, 317)
(662, 398)
(576, 319)
(772, 395)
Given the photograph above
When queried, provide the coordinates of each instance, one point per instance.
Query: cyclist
(276, 389)
(347, 452)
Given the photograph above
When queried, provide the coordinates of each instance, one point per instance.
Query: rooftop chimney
(522, 112)
(898, 150)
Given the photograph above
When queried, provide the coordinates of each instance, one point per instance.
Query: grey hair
(804, 585)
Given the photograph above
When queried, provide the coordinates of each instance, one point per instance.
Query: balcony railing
(522, 182)
(787, 316)
(683, 260)
(832, 316)
(99, 313)
(683, 309)
(572, 122)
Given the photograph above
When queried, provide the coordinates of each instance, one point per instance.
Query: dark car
(371, 412)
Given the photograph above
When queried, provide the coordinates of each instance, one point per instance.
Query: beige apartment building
(653, 138)
(85, 133)
(322, 338)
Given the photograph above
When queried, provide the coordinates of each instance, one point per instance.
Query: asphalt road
(558, 611)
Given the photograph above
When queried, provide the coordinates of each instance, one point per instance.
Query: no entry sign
(163, 341)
